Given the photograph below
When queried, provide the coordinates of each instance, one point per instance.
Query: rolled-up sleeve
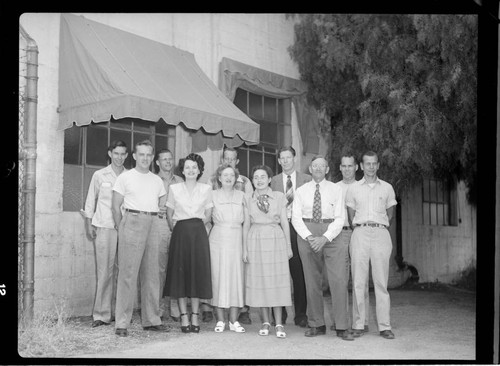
(92, 194)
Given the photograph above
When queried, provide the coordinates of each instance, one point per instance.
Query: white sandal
(236, 327)
(280, 333)
(264, 330)
(219, 327)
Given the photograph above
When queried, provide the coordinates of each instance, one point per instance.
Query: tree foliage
(403, 86)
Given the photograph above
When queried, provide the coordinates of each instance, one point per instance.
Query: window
(439, 203)
(86, 150)
(273, 116)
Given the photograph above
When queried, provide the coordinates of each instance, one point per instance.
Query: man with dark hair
(287, 182)
(318, 218)
(370, 205)
(142, 193)
(166, 163)
(100, 228)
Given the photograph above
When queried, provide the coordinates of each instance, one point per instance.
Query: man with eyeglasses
(318, 218)
(165, 162)
(370, 205)
(287, 182)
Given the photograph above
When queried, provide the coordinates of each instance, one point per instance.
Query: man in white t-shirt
(142, 193)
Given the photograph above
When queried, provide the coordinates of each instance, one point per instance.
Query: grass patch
(56, 334)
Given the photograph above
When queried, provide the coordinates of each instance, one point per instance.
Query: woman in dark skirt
(189, 208)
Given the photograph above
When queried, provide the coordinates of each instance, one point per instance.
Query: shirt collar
(363, 181)
(268, 192)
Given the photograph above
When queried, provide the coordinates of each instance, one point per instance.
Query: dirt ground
(429, 324)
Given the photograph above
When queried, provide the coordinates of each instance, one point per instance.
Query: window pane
(255, 159)
(240, 99)
(72, 188)
(281, 110)
(270, 111)
(439, 191)
(122, 123)
(269, 133)
(142, 125)
(125, 136)
(433, 214)
(270, 161)
(163, 128)
(243, 164)
(433, 191)
(139, 137)
(425, 185)
(73, 138)
(446, 209)
(97, 146)
(255, 109)
(426, 214)
(440, 214)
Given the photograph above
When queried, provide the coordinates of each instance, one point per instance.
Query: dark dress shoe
(387, 334)
(158, 328)
(357, 333)
(315, 331)
(345, 335)
(98, 323)
(301, 322)
(244, 318)
(207, 316)
(121, 332)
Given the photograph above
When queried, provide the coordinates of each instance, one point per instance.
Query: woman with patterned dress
(266, 251)
(229, 217)
(189, 208)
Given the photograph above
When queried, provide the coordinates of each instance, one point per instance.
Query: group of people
(239, 243)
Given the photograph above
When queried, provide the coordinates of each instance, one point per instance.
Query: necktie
(289, 191)
(317, 204)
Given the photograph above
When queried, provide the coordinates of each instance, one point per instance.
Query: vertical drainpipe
(29, 188)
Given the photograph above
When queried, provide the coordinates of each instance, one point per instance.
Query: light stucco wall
(64, 257)
(439, 253)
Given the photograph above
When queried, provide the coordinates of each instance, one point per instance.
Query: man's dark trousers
(299, 284)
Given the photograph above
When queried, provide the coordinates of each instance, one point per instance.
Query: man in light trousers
(370, 204)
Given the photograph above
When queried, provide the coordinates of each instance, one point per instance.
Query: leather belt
(141, 212)
(320, 221)
(372, 225)
(346, 228)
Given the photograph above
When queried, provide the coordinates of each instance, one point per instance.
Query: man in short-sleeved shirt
(370, 204)
(142, 193)
(99, 226)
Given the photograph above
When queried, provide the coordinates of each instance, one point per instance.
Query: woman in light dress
(230, 221)
(189, 208)
(266, 251)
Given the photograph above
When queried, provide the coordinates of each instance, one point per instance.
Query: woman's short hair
(223, 167)
(268, 170)
(197, 159)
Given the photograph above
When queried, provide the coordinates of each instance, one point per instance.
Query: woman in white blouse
(189, 208)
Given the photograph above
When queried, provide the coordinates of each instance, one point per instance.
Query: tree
(401, 85)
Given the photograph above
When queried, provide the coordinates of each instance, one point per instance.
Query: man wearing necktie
(318, 218)
(287, 182)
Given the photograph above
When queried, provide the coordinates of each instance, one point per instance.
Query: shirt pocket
(380, 204)
(106, 190)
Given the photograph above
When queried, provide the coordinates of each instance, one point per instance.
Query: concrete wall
(439, 253)
(64, 258)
